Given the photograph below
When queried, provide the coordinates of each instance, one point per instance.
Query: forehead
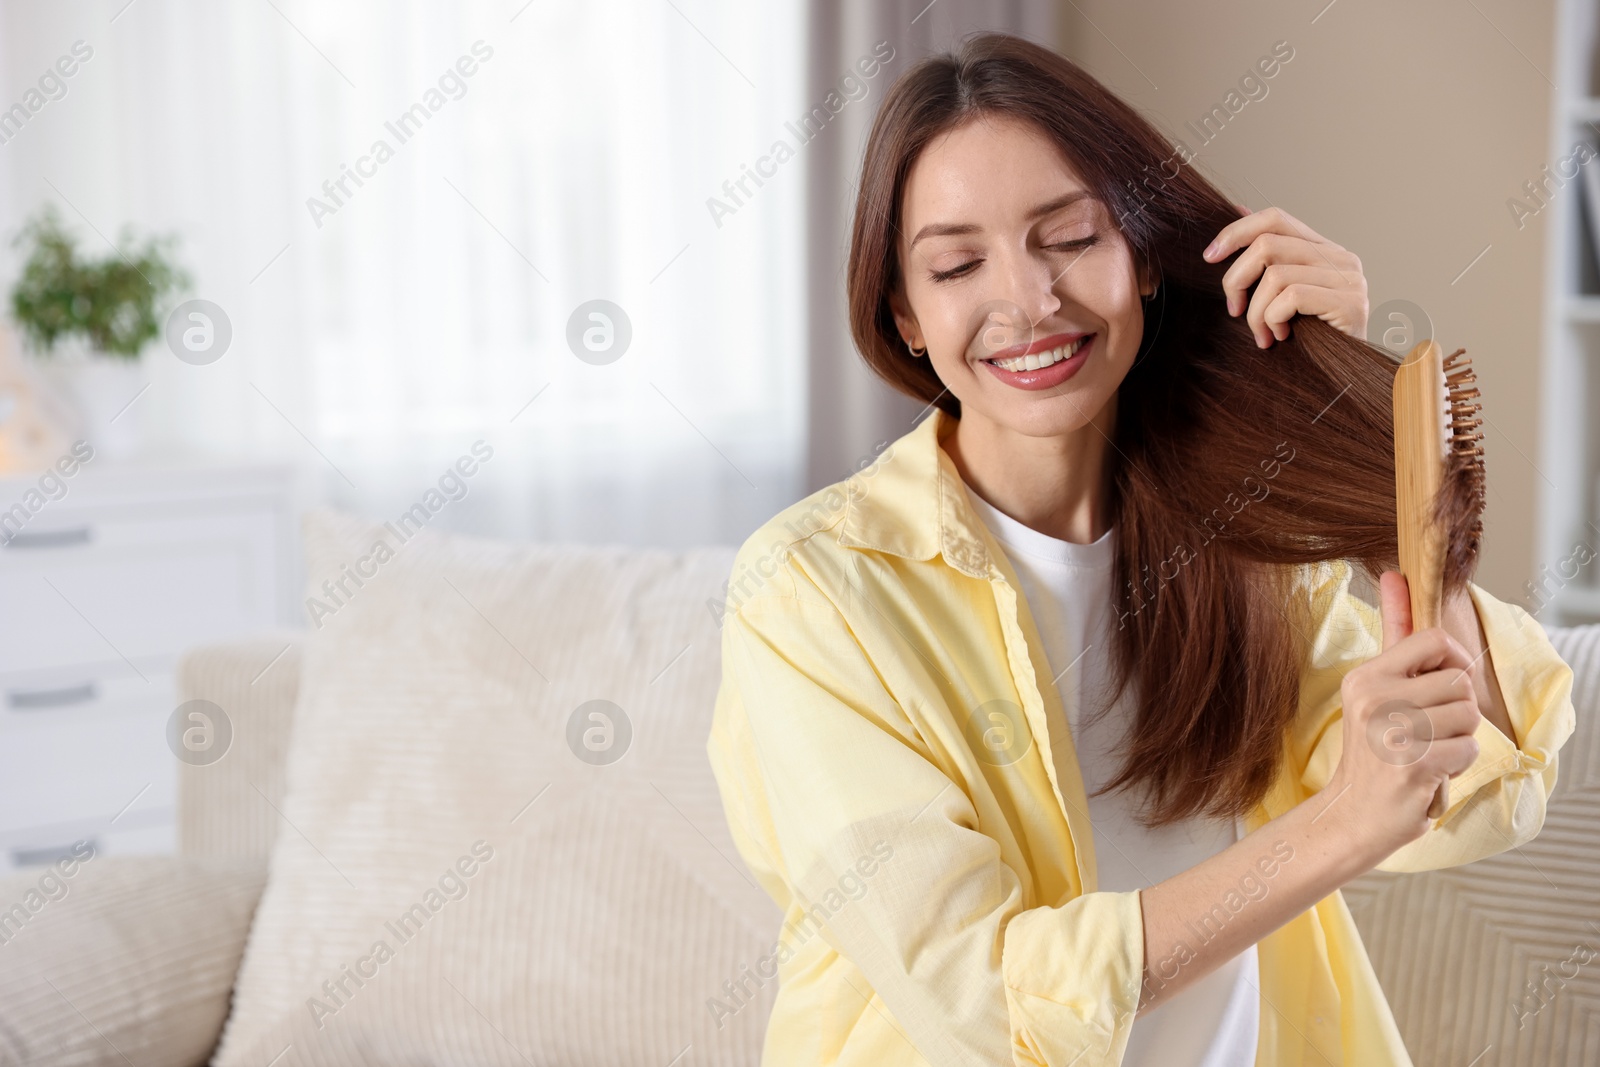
(991, 170)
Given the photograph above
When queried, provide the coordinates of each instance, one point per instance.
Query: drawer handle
(25, 699)
(41, 857)
(77, 535)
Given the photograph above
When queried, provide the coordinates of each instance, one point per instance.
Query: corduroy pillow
(121, 959)
(502, 841)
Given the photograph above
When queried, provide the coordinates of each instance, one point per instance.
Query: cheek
(957, 325)
(948, 359)
(1110, 296)
(1117, 299)
(1104, 279)
(1126, 338)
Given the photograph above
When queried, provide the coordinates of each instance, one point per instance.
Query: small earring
(1153, 293)
(915, 351)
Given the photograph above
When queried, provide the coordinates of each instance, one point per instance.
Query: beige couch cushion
(221, 809)
(120, 960)
(452, 883)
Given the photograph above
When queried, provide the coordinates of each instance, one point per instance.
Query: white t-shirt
(1214, 1022)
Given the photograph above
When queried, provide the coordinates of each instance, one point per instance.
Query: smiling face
(1016, 280)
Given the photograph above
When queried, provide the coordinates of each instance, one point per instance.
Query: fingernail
(1211, 250)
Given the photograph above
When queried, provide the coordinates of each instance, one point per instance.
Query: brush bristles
(1459, 507)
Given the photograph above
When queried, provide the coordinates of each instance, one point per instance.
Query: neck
(1058, 485)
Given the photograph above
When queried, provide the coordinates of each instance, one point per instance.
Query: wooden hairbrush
(1439, 485)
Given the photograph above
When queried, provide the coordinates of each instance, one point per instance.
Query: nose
(1029, 289)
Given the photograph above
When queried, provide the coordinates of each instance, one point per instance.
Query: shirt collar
(912, 503)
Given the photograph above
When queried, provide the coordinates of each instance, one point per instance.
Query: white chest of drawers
(101, 590)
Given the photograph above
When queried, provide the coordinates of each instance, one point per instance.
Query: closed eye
(953, 272)
(1082, 242)
(969, 267)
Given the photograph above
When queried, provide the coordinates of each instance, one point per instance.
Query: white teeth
(1036, 360)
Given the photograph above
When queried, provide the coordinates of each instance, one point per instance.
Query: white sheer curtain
(850, 409)
(376, 343)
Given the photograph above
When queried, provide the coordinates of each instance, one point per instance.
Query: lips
(1039, 347)
(1054, 360)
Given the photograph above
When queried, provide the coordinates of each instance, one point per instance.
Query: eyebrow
(952, 229)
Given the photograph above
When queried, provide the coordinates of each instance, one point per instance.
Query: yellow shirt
(884, 741)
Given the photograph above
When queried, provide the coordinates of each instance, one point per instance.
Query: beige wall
(1398, 131)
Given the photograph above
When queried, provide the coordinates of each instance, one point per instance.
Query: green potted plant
(87, 321)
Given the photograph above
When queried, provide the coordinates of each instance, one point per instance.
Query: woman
(1056, 730)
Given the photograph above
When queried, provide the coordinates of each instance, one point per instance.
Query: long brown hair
(1233, 464)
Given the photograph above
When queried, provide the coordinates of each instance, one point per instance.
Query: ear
(1149, 278)
(904, 321)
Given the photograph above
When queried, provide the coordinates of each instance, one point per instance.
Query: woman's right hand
(1409, 716)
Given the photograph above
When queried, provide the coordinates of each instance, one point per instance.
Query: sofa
(468, 818)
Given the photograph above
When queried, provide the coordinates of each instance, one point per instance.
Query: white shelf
(102, 591)
(1569, 448)
(1583, 309)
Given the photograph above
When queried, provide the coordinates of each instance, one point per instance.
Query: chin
(1055, 415)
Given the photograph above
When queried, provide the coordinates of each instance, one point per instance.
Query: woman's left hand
(1300, 272)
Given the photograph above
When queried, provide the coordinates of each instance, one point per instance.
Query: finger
(1236, 235)
(1395, 604)
(1285, 248)
(1460, 718)
(1450, 756)
(1432, 649)
(1432, 691)
(1275, 249)
(1336, 307)
(1289, 290)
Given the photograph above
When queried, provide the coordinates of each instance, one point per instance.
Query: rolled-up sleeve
(819, 766)
(1499, 801)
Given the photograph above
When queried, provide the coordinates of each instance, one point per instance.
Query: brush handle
(1419, 458)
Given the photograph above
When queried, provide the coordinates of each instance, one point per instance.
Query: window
(401, 205)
